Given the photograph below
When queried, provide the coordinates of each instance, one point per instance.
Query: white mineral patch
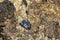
(17, 4)
(19, 19)
(1, 0)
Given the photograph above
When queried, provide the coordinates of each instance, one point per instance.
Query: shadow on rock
(7, 10)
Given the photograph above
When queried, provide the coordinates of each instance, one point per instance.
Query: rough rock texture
(44, 16)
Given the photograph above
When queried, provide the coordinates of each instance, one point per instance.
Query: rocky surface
(43, 20)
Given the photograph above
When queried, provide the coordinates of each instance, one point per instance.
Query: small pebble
(26, 24)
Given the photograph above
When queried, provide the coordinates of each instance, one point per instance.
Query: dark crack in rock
(25, 2)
